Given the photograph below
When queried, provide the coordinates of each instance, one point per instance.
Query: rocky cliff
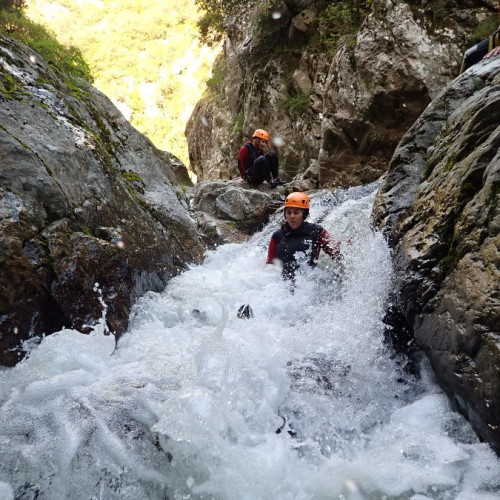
(339, 82)
(91, 213)
(439, 206)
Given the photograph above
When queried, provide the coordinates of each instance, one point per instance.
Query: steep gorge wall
(339, 108)
(91, 213)
(439, 206)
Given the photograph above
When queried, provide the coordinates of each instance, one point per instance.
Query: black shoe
(272, 183)
(245, 312)
(279, 181)
(282, 427)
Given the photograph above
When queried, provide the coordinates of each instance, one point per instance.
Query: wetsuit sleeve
(332, 248)
(272, 251)
(242, 160)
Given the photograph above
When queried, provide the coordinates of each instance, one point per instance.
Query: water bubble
(204, 121)
(278, 141)
(120, 244)
(276, 15)
(353, 491)
(33, 59)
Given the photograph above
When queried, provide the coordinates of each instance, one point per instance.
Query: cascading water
(189, 403)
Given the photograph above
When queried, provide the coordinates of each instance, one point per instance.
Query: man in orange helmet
(297, 237)
(257, 163)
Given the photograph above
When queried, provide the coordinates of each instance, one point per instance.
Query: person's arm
(272, 251)
(242, 160)
(332, 248)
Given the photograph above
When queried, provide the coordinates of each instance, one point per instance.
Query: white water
(188, 404)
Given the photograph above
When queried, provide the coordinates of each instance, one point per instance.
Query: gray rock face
(90, 211)
(228, 211)
(439, 206)
(344, 106)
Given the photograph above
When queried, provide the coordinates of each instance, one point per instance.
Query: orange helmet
(298, 200)
(261, 134)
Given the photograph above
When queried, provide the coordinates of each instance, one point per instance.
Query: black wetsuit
(477, 52)
(255, 166)
(287, 244)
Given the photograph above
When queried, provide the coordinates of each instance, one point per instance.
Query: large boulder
(439, 206)
(91, 213)
(227, 211)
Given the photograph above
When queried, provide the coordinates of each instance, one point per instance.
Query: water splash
(188, 404)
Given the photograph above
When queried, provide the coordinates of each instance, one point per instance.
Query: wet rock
(439, 207)
(317, 374)
(91, 213)
(246, 208)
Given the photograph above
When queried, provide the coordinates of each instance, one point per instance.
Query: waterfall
(188, 405)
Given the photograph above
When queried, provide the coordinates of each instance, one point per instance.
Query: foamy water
(189, 402)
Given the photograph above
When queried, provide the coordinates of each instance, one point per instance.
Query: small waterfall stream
(188, 404)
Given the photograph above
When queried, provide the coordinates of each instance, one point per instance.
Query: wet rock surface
(91, 213)
(439, 207)
(228, 211)
(341, 106)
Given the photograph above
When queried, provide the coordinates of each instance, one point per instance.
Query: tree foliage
(14, 24)
(144, 55)
(12, 4)
(211, 23)
(342, 19)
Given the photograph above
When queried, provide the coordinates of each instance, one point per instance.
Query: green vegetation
(450, 163)
(493, 200)
(132, 176)
(295, 104)
(9, 84)
(134, 181)
(440, 10)
(219, 72)
(484, 29)
(215, 13)
(12, 4)
(14, 24)
(238, 124)
(211, 23)
(144, 55)
(341, 19)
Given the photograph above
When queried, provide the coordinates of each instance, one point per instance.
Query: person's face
(294, 217)
(263, 144)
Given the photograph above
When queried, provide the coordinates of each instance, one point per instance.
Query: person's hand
(492, 53)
